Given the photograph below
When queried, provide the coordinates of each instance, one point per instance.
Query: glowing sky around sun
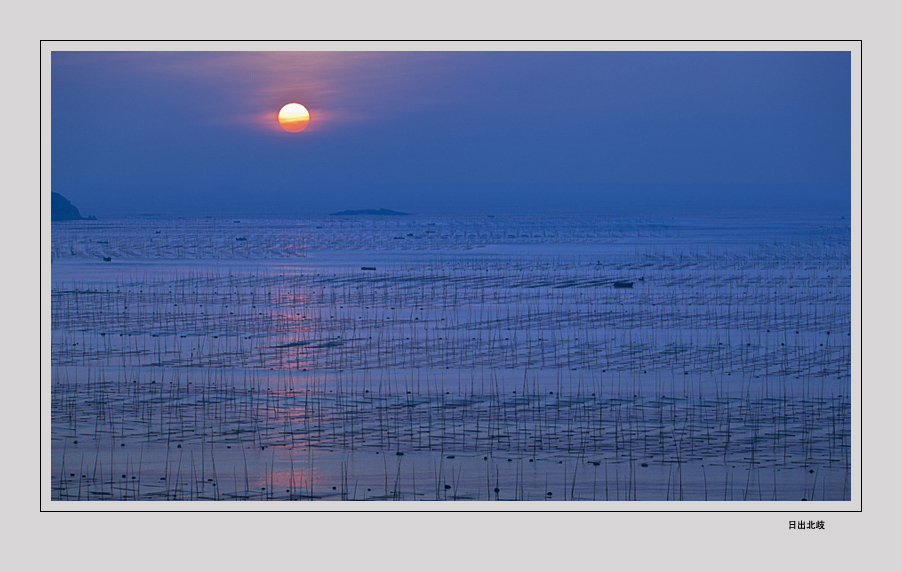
(447, 130)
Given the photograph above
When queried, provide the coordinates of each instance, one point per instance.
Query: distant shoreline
(373, 212)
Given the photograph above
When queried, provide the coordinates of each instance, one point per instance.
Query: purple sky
(195, 133)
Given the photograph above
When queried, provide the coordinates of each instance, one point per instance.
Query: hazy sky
(195, 133)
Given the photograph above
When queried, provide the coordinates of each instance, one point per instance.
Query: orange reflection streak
(297, 331)
(287, 472)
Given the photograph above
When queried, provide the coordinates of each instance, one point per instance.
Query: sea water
(440, 358)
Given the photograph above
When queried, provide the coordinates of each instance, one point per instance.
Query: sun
(294, 117)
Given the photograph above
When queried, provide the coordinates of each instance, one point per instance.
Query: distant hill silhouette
(377, 212)
(62, 209)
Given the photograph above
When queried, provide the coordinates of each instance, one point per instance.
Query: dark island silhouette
(376, 212)
(62, 209)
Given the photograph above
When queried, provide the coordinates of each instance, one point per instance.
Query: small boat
(241, 238)
(107, 258)
(367, 267)
(623, 284)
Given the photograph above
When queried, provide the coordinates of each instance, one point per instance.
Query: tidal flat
(435, 358)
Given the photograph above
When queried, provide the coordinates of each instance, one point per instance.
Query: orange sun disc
(294, 117)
